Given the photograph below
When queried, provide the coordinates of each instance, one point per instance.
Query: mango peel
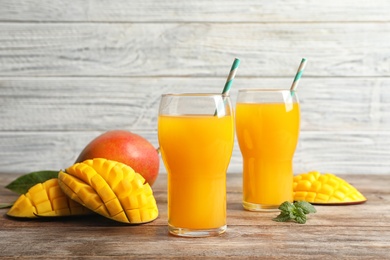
(327, 189)
(111, 189)
(46, 200)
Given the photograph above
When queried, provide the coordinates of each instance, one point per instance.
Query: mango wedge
(318, 188)
(46, 200)
(111, 189)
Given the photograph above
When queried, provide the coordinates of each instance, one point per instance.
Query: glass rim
(264, 90)
(194, 94)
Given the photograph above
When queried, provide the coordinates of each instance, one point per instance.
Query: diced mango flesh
(318, 188)
(46, 199)
(111, 189)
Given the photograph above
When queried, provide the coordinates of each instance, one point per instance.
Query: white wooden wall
(70, 70)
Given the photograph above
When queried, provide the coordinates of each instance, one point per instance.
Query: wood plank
(335, 152)
(96, 104)
(355, 231)
(201, 10)
(193, 49)
(242, 241)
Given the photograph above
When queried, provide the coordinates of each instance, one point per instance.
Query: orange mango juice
(196, 152)
(267, 135)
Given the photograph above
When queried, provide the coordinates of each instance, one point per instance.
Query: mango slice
(327, 188)
(111, 189)
(46, 200)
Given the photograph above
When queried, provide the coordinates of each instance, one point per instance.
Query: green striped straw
(229, 81)
(231, 76)
(298, 76)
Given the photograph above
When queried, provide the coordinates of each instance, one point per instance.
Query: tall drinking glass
(267, 125)
(196, 135)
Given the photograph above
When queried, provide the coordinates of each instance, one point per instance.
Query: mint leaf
(22, 184)
(286, 206)
(296, 211)
(305, 206)
(301, 219)
(299, 215)
(282, 217)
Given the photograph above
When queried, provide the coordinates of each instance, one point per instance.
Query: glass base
(259, 207)
(185, 232)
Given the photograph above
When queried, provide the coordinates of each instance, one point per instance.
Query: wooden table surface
(354, 231)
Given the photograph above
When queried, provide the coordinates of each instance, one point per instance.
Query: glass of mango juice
(196, 136)
(267, 126)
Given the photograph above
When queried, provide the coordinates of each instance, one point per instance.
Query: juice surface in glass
(267, 134)
(196, 150)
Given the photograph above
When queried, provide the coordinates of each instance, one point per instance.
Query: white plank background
(72, 70)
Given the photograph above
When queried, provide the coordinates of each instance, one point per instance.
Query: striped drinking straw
(298, 76)
(231, 76)
(228, 84)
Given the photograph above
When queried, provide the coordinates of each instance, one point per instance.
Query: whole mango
(125, 147)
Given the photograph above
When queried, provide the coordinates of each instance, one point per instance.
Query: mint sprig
(296, 211)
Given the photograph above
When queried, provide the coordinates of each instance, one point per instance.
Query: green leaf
(286, 206)
(282, 217)
(298, 212)
(305, 206)
(22, 184)
(301, 219)
(6, 205)
(294, 211)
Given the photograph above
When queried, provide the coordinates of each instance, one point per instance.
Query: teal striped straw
(231, 76)
(229, 82)
(298, 76)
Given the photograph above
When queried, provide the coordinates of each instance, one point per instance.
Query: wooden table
(355, 231)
